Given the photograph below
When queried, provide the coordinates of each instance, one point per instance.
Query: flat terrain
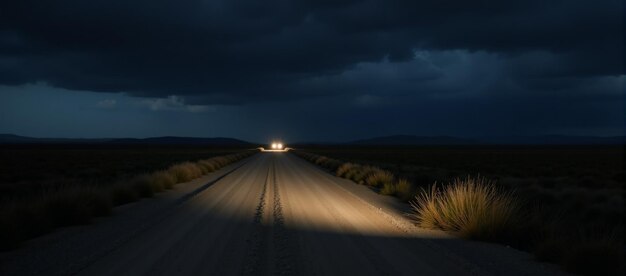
(31, 169)
(269, 214)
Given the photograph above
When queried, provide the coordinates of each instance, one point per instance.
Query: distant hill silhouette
(172, 140)
(398, 140)
(555, 140)
(166, 140)
(393, 140)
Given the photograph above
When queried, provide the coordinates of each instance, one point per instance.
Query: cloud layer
(234, 53)
(360, 54)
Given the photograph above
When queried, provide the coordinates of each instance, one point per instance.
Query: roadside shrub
(472, 207)
(389, 188)
(162, 180)
(185, 172)
(359, 174)
(377, 178)
(207, 166)
(404, 190)
(343, 169)
(333, 164)
(321, 160)
(352, 172)
(220, 161)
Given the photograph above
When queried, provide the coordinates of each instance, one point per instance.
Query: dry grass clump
(163, 180)
(328, 163)
(388, 188)
(148, 184)
(472, 207)
(404, 190)
(343, 169)
(359, 174)
(322, 161)
(378, 178)
(185, 172)
(208, 166)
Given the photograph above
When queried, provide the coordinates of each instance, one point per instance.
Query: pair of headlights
(277, 146)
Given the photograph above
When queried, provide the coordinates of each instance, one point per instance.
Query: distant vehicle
(277, 146)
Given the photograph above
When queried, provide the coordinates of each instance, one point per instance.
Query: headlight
(273, 145)
(279, 146)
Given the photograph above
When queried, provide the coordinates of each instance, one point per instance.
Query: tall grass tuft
(404, 190)
(343, 169)
(163, 180)
(389, 188)
(379, 178)
(186, 171)
(472, 207)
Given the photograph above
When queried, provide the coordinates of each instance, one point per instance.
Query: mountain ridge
(398, 140)
(160, 140)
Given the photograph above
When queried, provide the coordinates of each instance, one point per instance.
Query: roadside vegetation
(27, 216)
(481, 208)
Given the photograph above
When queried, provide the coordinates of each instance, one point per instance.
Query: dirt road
(273, 214)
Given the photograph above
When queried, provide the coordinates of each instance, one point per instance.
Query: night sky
(311, 70)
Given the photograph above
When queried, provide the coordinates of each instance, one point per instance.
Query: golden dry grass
(343, 169)
(389, 188)
(404, 190)
(186, 171)
(472, 208)
(379, 178)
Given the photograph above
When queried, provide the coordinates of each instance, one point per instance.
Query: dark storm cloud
(242, 51)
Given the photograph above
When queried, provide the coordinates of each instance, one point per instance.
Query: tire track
(273, 249)
(285, 244)
(257, 241)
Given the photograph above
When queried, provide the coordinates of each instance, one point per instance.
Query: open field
(600, 166)
(29, 169)
(569, 204)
